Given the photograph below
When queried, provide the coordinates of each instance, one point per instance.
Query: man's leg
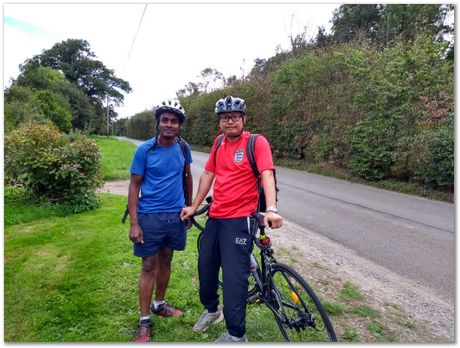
(164, 272)
(146, 282)
(208, 266)
(208, 271)
(236, 247)
(175, 238)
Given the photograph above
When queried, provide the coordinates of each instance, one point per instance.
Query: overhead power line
(137, 31)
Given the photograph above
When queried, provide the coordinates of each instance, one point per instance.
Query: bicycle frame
(262, 275)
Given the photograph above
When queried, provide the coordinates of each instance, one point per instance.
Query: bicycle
(297, 310)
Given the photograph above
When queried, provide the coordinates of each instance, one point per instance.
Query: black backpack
(183, 147)
(250, 148)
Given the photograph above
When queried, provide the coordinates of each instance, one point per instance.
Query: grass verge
(74, 279)
(20, 209)
(116, 157)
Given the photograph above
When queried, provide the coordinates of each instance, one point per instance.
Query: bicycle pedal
(254, 299)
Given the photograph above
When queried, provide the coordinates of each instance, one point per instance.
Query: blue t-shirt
(161, 169)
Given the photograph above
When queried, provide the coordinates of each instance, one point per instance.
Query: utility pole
(108, 118)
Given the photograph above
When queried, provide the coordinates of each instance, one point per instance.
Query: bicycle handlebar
(200, 211)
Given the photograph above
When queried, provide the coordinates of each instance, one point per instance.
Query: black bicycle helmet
(172, 106)
(230, 104)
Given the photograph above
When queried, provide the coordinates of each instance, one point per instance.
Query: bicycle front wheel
(297, 309)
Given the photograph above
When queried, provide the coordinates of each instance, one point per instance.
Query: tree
(351, 21)
(80, 67)
(84, 115)
(55, 107)
(298, 43)
(53, 82)
(322, 39)
(190, 88)
(78, 64)
(39, 90)
(410, 21)
(384, 24)
(20, 107)
(211, 79)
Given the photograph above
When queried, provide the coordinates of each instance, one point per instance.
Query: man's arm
(204, 186)
(268, 180)
(135, 231)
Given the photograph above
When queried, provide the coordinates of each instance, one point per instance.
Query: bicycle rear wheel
(297, 310)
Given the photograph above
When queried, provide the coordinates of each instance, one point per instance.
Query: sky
(173, 44)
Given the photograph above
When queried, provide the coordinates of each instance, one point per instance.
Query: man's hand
(187, 212)
(273, 220)
(135, 234)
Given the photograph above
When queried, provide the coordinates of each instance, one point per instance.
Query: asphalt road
(412, 236)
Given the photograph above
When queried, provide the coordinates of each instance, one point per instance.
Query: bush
(435, 167)
(372, 144)
(53, 167)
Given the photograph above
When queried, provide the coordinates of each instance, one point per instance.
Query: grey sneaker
(226, 337)
(207, 319)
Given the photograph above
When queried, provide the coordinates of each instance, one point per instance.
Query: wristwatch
(272, 208)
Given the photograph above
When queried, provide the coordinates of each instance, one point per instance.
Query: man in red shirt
(226, 240)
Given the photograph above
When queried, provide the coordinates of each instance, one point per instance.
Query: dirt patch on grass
(117, 187)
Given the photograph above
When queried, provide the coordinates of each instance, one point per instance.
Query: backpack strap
(250, 148)
(219, 141)
(183, 146)
(154, 146)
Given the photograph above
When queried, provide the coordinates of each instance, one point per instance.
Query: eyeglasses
(227, 118)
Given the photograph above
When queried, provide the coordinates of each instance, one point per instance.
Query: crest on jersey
(239, 154)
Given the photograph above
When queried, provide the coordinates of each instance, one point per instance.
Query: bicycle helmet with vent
(230, 104)
(172, 106)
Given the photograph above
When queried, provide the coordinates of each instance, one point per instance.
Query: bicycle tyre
(297, 310)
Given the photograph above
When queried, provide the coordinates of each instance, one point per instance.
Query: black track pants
(226, 243)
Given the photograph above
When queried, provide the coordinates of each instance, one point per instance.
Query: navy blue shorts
(160, 230)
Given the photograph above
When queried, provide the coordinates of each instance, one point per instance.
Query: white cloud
(175, 41)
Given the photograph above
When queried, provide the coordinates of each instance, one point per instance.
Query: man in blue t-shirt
(157, 171)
